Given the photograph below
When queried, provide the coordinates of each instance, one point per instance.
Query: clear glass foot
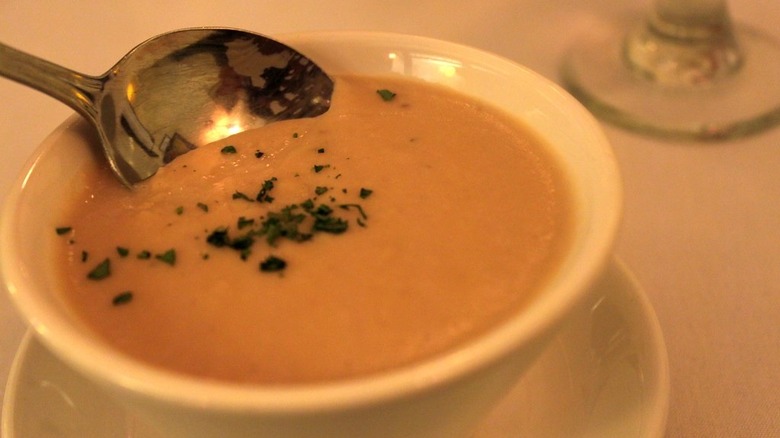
(685, 73)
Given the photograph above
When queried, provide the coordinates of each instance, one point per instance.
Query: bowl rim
(116, 371)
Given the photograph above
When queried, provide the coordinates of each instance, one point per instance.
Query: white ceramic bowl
(443, 397)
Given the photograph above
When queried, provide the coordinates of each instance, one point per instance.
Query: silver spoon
(181, 90)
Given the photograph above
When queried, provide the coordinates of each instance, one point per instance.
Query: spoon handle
(71, 88)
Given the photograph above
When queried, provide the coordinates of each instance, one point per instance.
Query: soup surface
(398, 225)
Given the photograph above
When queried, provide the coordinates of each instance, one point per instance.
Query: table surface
(701, 227)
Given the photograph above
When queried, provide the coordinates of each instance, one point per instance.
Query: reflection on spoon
(180, 90)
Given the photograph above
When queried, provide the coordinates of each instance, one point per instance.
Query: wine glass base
(747, 102)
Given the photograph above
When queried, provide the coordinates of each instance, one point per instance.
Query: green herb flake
(365, 193)
(144, 255)
(320, 190)
(259, 154)
(322, 210)
(122, 251)
(272, 264)
(321, 150)
(325, 222)
(84, 256)
(386, 95)
(228, 150)
(295, 135)
(179, 210)
(244, 222)
(168, 257)
(240, 195)
(262, 194)
(355, 206)
(63, 230)
(122, 298)
(283, 224)
(101, 271)
(319, 167)
(218, 237)
(333, 225)
(307, 204)
(242, 243)
(203, 207)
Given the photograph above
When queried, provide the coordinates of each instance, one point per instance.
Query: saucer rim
(660, 411)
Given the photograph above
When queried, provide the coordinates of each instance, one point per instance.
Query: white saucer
(605, 375)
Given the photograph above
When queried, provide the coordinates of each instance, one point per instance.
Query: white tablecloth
(702, 222)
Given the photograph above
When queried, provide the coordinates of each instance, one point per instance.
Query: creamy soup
(397, 226)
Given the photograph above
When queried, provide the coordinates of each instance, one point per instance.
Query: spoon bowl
(180, 90)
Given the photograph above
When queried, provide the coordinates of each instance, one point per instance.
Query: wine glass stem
(684, 43)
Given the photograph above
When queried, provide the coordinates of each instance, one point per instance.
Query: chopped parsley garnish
(122, 298)
(242, 243)
(228, 150)
(218, 237)
(84, 256)
(101, 271)
(168, 257)
(295, 135)
(294, 222)
(365, 193)
(259, 154)
(321, 211)
(386, 95)
(324, 221)
(63, 230)
(240, 195)
(321, 150)
(307, 204)
(272, 264)
(358, 207)
(331, 224)
(244, 222)
(283, 224)
(262, 195)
